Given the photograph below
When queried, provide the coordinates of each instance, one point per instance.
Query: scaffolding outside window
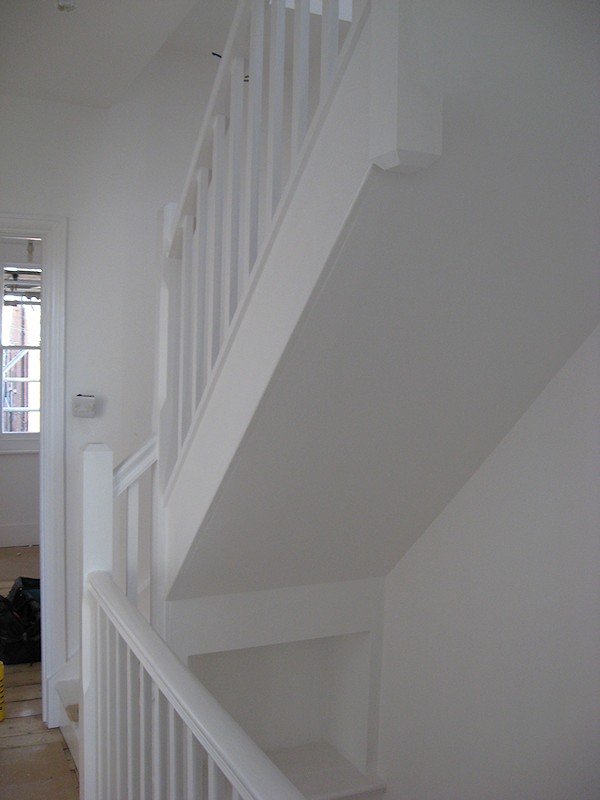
(21, 348)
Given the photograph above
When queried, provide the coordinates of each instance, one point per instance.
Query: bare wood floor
(35, 763)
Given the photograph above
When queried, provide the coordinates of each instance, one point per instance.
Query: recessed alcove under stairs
(306, 704)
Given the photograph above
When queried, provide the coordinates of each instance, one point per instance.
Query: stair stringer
(292, 266)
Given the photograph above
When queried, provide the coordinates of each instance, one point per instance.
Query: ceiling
(91, 55)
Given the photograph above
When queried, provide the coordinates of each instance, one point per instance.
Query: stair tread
(320, 772)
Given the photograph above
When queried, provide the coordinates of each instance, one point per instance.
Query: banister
(278, 183)
(132, 468)
(242, 762)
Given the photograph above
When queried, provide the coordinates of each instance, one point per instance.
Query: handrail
(132, 468)
(242, 762)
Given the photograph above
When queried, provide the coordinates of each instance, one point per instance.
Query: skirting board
(19, 535)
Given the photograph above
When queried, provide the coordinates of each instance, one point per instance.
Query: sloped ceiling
(91, 55)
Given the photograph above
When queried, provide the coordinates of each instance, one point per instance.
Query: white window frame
(20, 442)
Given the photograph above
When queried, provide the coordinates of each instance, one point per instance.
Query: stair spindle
(300, 75)
(199, 360)
(216, 229)
(185, 331)
(275, 108)
(231, 251)
(193, 767)
(133, 729)
(217, 784)
(251, 207)
(329, 41)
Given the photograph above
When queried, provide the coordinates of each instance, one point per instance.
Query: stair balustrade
(275, 81)
(149, 729)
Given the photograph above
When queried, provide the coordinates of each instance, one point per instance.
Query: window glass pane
(20, 312)
(20, 390)
(21, 306)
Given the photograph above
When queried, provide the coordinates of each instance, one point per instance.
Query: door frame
(53, 232)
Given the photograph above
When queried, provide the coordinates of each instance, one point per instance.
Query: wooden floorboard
(35, 763)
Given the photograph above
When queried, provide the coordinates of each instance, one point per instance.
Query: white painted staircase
(306, 110)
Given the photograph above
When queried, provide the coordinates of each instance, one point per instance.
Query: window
(20, 344)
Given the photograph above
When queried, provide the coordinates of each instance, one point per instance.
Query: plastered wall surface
(19, 499)
(490, 684)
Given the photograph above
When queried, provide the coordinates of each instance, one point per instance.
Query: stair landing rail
(149, 729)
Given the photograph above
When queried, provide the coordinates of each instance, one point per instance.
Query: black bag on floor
(20, 623)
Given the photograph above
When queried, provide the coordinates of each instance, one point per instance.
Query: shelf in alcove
(320, 772)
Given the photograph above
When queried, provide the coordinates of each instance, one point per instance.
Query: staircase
(303, 88)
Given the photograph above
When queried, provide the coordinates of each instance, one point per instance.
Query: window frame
(19, 442)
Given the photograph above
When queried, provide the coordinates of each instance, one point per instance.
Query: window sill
(19, 443)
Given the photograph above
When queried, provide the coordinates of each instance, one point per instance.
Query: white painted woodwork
(94, 759)
(217, 785)
(145, 723)
(133, 728)
(254, 128)
(126, 480)
(276, 170)
(97, 508)
(119, 688)
(133, 538)
(187, 331)
(300, 75)
(209, 288)
(405, 112)
(219, 252)
(162, 334)
(92, 727)
(321, 771)
(133, 468)
(110, 698)
(329, 41)
(217, 232)
(290, 266)
(194, 767)
(160, 748)
(178, 698)
(199, 362)
(176, 752)
(169, 217)
(168, 371)
(232, 219)
(275, 107)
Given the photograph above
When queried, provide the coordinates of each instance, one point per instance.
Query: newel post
(405, 126)
(97, 509)
(97, 546)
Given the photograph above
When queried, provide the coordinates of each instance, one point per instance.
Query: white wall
(19, 499)
(108, 172)
(491, 681)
